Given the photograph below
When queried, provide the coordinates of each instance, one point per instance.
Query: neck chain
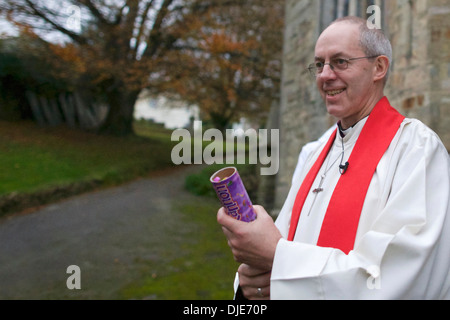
(319, 189)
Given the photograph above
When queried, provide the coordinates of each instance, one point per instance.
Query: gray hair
(373, 41)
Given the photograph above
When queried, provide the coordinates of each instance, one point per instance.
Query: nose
(327, 73)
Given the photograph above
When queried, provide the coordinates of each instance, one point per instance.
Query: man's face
(348, 94)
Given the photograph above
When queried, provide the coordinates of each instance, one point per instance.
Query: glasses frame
(313, 69)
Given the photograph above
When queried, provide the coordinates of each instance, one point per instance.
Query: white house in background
(173, 114)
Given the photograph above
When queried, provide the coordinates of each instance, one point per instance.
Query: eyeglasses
(337, 64)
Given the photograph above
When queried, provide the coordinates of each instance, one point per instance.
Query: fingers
(248, 271)
(259, 293)
(252, 243)
(255, 283)
(230, 226)
(225, 220)
(254, 278)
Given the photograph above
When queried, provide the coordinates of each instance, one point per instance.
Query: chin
(336, 110)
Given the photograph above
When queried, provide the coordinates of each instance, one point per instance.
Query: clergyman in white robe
(402, 245)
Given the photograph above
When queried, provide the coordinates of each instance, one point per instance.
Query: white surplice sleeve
(402, 248)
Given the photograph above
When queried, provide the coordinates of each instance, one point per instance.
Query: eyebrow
(338, 54)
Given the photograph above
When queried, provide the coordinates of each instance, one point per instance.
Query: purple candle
(232, 194)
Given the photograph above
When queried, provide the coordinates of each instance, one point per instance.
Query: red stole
(342, 217)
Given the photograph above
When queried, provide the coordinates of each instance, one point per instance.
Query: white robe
(402, 245)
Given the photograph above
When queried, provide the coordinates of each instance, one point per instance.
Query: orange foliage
(69, 54)
(238, 53)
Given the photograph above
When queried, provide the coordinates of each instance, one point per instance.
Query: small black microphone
(343, 167)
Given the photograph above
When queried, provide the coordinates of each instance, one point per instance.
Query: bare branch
(39, 13)
(144, 20)
(155, 34)
(95, 12)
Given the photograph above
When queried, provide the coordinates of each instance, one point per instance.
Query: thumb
(224, 219)
(261, 213)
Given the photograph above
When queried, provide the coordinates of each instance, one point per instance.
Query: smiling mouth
(333, 93)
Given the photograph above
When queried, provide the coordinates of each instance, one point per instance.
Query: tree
(123, 47)
(230, 61)
(119, 43)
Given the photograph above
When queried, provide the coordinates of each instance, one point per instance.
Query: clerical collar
(343, 132)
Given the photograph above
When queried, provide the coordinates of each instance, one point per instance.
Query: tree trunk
(221, 118)
(119, 120)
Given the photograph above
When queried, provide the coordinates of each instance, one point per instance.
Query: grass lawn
(34, 158)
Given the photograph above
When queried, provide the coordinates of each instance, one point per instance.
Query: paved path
(109, 234)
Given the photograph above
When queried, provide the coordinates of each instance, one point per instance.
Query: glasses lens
(312, 70)
(340, 64)
(319, 67)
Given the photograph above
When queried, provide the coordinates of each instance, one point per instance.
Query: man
(368, 214)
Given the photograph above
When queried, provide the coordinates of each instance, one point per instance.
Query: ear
(381, 67)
